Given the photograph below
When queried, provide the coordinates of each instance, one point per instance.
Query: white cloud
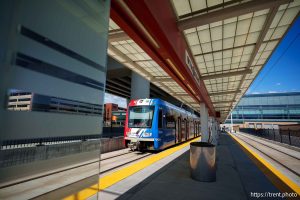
(255, 93)
(278, 84)
(272, 92)
(110, 98)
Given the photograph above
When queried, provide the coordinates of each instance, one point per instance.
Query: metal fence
(21, 143)
(291, 137)
(108, 132)
(17, 156)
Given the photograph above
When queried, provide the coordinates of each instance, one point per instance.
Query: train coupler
(134, 145)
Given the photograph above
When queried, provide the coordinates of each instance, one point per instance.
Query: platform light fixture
(191, 88)
(174, 68)
(138, 23)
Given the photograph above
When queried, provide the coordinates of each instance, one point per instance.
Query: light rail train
(154, 124)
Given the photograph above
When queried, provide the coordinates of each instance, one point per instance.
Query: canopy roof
(230, 42)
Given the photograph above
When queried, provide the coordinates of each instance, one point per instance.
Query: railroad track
(272, 153)
(121, 154)
(123, 164)
(270, 146)
(60, 178)
(75, 167)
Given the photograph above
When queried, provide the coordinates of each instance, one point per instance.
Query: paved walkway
(237, 177)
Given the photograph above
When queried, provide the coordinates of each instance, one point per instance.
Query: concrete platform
(237, 177)
(282, 161)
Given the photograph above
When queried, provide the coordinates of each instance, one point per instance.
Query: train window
(170, 120)
(183, 124)
(160, 118)
(140, 116)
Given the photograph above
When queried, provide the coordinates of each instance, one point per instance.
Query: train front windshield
(140, 116)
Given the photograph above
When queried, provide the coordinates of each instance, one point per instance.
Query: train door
(196, 126)
(160, 124)
(160, 118)
(198, 129)
(191, 129)
(178, 129)
(192, 133)
(187, 128)
(194, 129)
(183, 131)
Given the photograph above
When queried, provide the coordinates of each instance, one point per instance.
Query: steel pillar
(140, 87)
(204, 123)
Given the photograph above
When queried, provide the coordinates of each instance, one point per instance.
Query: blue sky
(282, 72)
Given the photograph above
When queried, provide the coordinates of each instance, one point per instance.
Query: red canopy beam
(152, 25)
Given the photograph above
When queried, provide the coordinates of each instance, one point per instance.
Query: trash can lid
(202, 144)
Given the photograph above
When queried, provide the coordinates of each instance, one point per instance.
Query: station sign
(191, 66)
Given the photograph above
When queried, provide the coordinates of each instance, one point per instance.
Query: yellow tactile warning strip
(125, 172)
(270, 167)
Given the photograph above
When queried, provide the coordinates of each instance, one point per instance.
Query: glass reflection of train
(153, 124)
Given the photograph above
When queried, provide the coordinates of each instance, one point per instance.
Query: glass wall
(53, 57)
(275, 107)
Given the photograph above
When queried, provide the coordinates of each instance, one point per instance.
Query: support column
(140, 87)
(218, 129)
(204, 122)
(214, 131)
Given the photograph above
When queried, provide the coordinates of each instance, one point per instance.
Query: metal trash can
(203, 161)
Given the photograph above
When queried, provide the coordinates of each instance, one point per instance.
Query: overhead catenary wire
(276, 62)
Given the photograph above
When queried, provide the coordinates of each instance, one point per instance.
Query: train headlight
(147, 134)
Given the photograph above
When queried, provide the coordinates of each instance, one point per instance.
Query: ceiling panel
(221, 47)
(228, 45)
(132, 56)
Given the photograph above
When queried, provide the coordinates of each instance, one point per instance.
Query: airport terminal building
(270, 107)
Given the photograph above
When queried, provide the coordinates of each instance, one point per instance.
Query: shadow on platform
(237, 178)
